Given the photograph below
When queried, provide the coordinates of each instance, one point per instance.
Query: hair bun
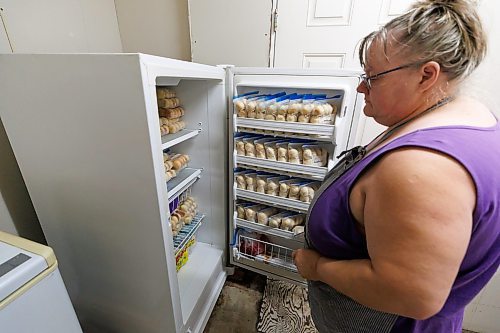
(449, 4)
(446, 31)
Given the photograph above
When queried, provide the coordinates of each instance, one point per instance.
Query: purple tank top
(332, 230)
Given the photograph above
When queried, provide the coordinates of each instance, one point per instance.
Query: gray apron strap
(351, 157)
(334, 312)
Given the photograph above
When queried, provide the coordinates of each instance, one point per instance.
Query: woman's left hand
(306, 262)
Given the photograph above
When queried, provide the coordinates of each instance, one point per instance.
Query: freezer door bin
(33, 297)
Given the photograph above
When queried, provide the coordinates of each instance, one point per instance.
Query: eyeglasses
(367, 80)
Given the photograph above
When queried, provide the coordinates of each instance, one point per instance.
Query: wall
(483, 314)
(483, 82)
(157, 27)
(241, 38)
(47, 26)
(61, 26)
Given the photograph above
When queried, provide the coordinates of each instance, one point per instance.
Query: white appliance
(32, 293)
(85, 131)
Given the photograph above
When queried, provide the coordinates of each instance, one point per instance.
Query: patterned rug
(285, 308)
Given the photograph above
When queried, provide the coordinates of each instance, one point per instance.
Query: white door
(325, 34)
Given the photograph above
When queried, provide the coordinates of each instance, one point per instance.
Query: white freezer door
(339, 136)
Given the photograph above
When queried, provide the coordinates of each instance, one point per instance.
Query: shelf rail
(265, 252)
(265, 229)
(184, 179)
(170, 140)
(186, 233)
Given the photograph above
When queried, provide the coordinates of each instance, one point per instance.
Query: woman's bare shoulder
(413, 170)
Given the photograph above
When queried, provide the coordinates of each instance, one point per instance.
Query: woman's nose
(362, 88)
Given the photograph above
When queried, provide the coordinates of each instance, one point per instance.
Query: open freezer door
(286, 129)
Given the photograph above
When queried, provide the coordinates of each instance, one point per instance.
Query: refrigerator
(110, 187)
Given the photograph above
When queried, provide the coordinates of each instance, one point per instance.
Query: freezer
(147, 167)
(33, 297)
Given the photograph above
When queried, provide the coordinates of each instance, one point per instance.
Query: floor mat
(285, 308)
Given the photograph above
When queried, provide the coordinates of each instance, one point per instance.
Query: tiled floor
(238, 307)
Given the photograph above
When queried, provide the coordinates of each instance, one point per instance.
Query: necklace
(386, 134)
(352, 156)
(357, 153)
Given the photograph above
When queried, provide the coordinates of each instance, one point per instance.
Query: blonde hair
(448, 32)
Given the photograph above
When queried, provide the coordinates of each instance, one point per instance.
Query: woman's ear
(429, 75)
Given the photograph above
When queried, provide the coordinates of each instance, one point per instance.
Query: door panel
(326, 34)
(323, 32)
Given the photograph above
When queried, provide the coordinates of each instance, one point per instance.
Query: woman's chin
(367, 110)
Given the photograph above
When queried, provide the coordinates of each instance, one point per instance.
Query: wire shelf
(267, 230)
(286, 126)
(184, 179)
(268, 253)
(301, 170)
(186, 233)
(274, 200)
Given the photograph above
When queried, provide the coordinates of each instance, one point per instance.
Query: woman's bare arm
(418, 218)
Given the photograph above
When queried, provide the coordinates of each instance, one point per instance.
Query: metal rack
(265, 252)
(301, 170)
(184, 179)
(265, 229)
(276, 201)
(290, 135)
(186, 233)
(325, 130)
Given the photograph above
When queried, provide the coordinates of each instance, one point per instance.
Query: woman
(405, 231)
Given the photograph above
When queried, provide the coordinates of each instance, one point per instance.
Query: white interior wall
(157, 27)
(51, 26)
(48, 26)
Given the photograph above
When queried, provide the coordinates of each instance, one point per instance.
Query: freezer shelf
(184, 179)
(327, 139)
(170, 140)
(265, 229)
(286, 126)
(200, 280)
(276, 201)
(186, 233)
(265, 252)
(304, 171)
